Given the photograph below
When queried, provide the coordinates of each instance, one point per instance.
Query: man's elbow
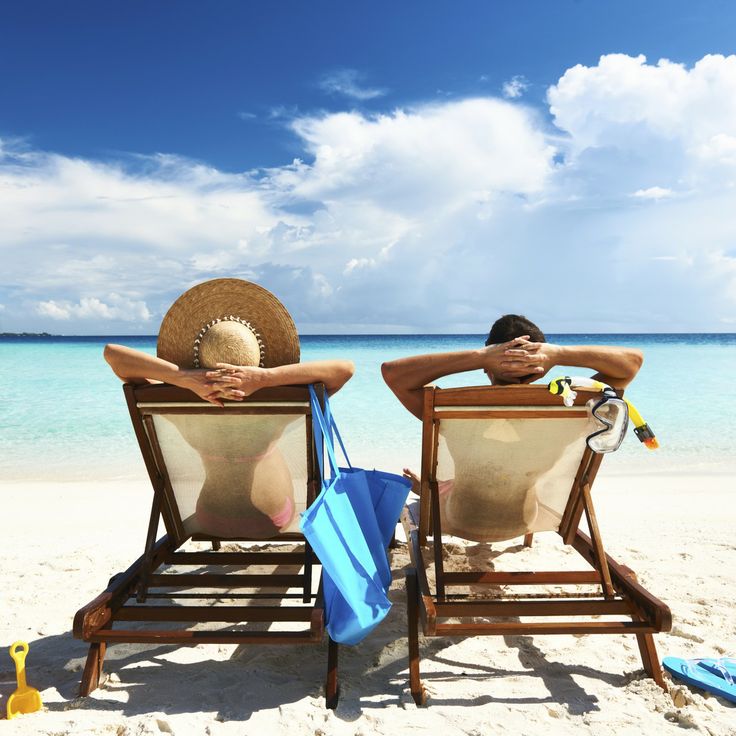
(637, 360)
(634, 361)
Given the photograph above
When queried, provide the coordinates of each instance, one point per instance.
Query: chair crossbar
(539, 628)
(550, 607)
(237, 558)
(188, 637)
(186, 580)
(522, 578)
(231, 614)
(223, 596)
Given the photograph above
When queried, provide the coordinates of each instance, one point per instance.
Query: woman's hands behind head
(238, 381)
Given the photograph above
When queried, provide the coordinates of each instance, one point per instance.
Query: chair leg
(332, 689)
(216, 545)
(92, 668)
(528, 539)
(412, 610)
(650, 659)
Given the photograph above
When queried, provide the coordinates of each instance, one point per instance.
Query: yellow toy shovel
(24, 699)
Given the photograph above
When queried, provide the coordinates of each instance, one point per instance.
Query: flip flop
(717, 676)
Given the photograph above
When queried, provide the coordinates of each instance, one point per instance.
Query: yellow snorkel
(641, 429)
(563, 387)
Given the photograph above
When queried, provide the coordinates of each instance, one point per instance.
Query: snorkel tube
(563, 387)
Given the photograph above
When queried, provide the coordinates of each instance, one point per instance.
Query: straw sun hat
(228, 321)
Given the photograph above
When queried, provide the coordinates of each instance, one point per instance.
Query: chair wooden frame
(616, 592)
(144, 593)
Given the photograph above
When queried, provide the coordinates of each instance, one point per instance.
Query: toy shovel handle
(18, 652)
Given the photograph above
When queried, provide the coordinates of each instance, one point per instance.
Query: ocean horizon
(63, 414)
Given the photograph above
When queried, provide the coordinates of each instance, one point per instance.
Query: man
(516, 351)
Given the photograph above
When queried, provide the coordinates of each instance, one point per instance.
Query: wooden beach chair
(210, 594)
(501, 462)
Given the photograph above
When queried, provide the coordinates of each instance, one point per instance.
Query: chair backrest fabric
(233, 475)
(499, 477)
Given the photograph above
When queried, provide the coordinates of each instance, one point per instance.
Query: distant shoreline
(47, 335)
(31, 334)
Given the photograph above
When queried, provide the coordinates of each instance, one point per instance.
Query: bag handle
(322, 433)
(333, 426)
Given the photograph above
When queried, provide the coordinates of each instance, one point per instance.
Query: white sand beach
(62, 541)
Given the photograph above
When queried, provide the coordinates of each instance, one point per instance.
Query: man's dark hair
(514, 325)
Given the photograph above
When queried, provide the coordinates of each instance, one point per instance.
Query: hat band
(229, 318)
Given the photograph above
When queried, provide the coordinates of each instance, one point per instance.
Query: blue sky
(392, 166)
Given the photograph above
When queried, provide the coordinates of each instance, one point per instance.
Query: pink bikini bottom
(257, 525)
(445, 487)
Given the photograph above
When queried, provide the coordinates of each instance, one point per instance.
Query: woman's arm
(247, 379)
(135, 366)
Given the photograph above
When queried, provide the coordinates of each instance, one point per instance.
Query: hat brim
(220, 298)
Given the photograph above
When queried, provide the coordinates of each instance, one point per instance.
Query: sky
(409, 167)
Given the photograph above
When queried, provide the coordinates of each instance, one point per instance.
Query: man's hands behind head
(519, 360)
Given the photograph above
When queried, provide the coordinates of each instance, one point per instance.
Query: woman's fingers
(226, 380)
(213, 399)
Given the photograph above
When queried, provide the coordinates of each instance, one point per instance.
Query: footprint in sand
(677, 631)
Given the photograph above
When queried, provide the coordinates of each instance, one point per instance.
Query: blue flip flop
(717, 676)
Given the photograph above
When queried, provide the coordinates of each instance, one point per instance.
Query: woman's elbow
(388, 372)
(347, 369)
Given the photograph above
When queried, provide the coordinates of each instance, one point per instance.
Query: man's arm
(407, 377)
(616, 366)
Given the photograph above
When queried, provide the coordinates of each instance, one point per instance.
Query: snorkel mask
(611, 413)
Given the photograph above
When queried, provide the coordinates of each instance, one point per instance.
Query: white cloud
(346, 82)
(625, 103)
(444, 156)
(515, 87)
(119, 309)
(653, 193)
(355, 264)
(430, 218)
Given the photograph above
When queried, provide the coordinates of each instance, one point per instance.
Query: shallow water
(62, 413)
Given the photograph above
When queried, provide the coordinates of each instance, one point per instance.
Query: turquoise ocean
(63, 416)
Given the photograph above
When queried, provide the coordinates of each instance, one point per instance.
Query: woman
(223, 340)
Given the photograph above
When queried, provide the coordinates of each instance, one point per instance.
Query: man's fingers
(519, 369)
(526, 362)
(529, 360)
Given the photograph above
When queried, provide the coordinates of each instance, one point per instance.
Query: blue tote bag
(349, 527)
